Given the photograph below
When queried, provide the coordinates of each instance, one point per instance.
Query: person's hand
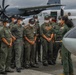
(49, 39)
(14, 38)
(32, 42)
(10, 45)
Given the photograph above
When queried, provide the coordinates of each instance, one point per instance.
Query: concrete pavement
(49, 70)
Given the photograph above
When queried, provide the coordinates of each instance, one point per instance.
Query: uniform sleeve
(67, 29)
(2, 33)
(56, 29)
(13, 29)
(24, 32)
(41, 30)
(38, 30)
(10, 33)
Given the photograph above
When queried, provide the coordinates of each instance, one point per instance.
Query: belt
(58, 41)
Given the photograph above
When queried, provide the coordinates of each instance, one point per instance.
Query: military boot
(9, 70)
(45, 63)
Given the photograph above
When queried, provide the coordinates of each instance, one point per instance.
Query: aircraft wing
(69, 40)
(38, 9)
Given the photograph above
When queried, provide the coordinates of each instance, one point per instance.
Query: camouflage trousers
(38, 51)
(18, 46)
(5, 57)
(47, 51)
(29, 53)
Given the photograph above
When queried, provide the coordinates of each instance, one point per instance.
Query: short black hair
(65, 18)
(68, 22)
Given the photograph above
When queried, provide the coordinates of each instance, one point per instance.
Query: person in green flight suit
(47, 45)
(66, 55)
(6, 45)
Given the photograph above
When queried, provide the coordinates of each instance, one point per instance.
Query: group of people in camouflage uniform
(20, 44)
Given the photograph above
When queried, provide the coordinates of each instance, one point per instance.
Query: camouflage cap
(32, 21)
(5, 20)
(14, 16)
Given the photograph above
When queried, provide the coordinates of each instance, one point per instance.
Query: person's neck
(62, 25)
(18, 24)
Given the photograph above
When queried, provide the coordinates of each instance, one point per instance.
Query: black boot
(18, 69)
(5, 73)
(50, 63)
(45, 63)
(34, 65)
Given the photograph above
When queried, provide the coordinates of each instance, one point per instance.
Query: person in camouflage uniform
(12, 24)
(38, 41)
(52, 22)
(47, 36)
(30, 39)
(13, 21)
(17, 32)
(57, 41)
(56, 45)
(5, 51)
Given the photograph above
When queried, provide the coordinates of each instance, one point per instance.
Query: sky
(29, 3)
(71, 4)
